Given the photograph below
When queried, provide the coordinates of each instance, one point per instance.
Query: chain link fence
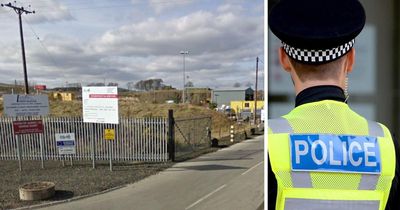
(192, 135)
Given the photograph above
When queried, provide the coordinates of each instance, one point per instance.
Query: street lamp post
(184, 53)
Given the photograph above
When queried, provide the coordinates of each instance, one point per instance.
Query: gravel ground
(79, 179)
(71, 181)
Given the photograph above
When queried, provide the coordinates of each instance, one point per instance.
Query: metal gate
(192, 134)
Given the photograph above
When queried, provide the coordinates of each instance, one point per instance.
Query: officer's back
(322, 154)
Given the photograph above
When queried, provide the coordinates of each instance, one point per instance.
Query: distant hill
(6, 85)
(9, 88)
(79, 89)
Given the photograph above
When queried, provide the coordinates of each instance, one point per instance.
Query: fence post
(171, 135)
(19, 152)
(210, 129)
(92, 131)
(41, 150)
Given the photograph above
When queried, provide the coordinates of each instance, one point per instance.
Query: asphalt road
(231, 178)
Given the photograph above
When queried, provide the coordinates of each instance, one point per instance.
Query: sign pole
(41, 150)
(19, 152)
(62, 160)
(109, 135)
(111, 155)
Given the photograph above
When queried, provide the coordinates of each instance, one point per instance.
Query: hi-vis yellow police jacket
(327, 157)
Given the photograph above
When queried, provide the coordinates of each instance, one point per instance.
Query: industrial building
(240, 106)
(225, 96)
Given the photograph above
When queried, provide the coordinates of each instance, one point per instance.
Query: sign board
(109, 134)
(100, 104)
(66, 143)
(28, 127)
(25, 105)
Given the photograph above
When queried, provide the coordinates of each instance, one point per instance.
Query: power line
(41, 43)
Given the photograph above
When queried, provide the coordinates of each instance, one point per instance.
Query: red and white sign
(28, 127)
(100, 104)
(103, 96)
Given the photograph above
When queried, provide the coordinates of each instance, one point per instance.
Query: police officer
(322, 154)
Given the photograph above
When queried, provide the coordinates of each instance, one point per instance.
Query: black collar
(319, 93)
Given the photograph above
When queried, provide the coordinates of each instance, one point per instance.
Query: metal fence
(136, 139)
(192, 134)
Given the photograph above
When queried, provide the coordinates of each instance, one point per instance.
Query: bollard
(232, 133)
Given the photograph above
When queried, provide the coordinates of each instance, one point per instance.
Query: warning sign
(109, 134)
(28, 127)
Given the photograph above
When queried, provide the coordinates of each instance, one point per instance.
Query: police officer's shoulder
(386, 131)
(279, 125)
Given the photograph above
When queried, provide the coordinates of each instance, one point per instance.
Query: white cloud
(217, 43)
(49, 11)
(222, 48)
(230, 8)
(160, 6)
(200, 32)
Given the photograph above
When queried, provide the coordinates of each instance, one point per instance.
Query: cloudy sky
(70, 41)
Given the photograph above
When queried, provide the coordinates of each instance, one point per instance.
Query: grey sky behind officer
(317, 51)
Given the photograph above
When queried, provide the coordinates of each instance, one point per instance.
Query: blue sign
(335, 153)
(66, 143)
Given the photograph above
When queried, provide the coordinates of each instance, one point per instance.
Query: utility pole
(255, 94)
(20, 11)
(184, 69)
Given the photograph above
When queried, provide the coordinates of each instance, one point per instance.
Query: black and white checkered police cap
(317, 31)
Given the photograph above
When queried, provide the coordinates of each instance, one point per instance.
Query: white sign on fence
(66, 143)
(25, 105)
(100, 104)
